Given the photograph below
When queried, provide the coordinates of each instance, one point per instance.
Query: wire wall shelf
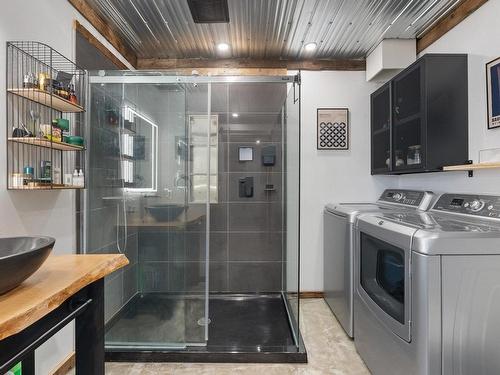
(46, 95)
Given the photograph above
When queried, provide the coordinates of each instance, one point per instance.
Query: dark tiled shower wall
(246, 237)
(246, 234)
(102, 215)
(122, 284)
(254, 226)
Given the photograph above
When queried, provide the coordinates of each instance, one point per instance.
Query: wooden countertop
(58, 279)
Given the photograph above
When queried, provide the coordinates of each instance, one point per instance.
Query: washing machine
(339, 224)
(427, 290)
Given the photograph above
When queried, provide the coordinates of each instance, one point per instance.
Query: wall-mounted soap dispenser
(269, 156)
(246, 187)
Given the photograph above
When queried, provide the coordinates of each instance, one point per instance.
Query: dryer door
(383, 281)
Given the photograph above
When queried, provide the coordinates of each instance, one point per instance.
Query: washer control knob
(476, 205)
(397, 196)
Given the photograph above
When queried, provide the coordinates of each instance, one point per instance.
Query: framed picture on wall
(332, 129)
(493, 93)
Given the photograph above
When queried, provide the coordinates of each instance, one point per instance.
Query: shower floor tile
(164, 323)
(157, 320)
(248, 322)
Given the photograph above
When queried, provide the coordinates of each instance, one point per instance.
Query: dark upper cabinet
(419, 120)
(381, 129)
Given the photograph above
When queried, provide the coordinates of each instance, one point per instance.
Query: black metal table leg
(87, 308)
(89, 338)
(28, 364)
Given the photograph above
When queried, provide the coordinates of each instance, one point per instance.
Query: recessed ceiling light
(309, 47)
(235, 115)
(223, 47)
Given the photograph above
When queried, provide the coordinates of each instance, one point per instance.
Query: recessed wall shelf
(49, 100)
(41, 142)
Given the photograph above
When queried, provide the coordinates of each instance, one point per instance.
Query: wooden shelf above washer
(471, 167)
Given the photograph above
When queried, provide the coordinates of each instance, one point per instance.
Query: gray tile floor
(330, 351)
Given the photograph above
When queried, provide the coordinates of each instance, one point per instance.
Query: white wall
(333, 176)
(478, 36)
(48, 213)
(344, 176)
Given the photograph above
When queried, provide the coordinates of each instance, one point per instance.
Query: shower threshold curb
(207, 357)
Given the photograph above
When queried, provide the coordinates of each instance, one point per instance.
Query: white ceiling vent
(389, 58)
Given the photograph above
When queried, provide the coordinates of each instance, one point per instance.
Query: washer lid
(352, 210)
(441, 234)
(389, 200)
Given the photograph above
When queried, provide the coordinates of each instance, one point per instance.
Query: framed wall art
(332, 129)
(493, 93)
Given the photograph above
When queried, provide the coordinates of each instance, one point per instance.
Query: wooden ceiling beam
(175, 64)
(464, 9)
(101, 47)
(232, 71)
(105, 30)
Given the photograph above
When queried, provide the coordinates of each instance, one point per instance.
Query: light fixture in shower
(131, 114)
(236, 115)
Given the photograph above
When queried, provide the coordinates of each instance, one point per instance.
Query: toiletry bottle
(75, 178)
(81, 179)
(57, 176)
(72, 95)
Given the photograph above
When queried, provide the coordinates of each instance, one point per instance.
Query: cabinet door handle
(396, 109)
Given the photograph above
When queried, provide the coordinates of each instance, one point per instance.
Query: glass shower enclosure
(196, 180)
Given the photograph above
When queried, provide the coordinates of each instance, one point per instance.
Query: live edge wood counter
(66, 287)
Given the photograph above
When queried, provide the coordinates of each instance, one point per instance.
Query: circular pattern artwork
(333, 129)
(333, 135)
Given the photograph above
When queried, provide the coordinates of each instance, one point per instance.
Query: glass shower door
(291, 135)
(160, 169)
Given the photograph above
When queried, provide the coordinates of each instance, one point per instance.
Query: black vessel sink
(165, 211)
(20, 257)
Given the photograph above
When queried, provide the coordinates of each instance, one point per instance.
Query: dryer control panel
(470, 204)
(415, 198)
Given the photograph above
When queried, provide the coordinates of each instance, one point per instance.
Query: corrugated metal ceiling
(269, 28)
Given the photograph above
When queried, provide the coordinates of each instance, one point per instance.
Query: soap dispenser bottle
(81, 179)
(75, 178)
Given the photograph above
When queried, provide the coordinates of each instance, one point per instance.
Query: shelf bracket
(470, 173)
